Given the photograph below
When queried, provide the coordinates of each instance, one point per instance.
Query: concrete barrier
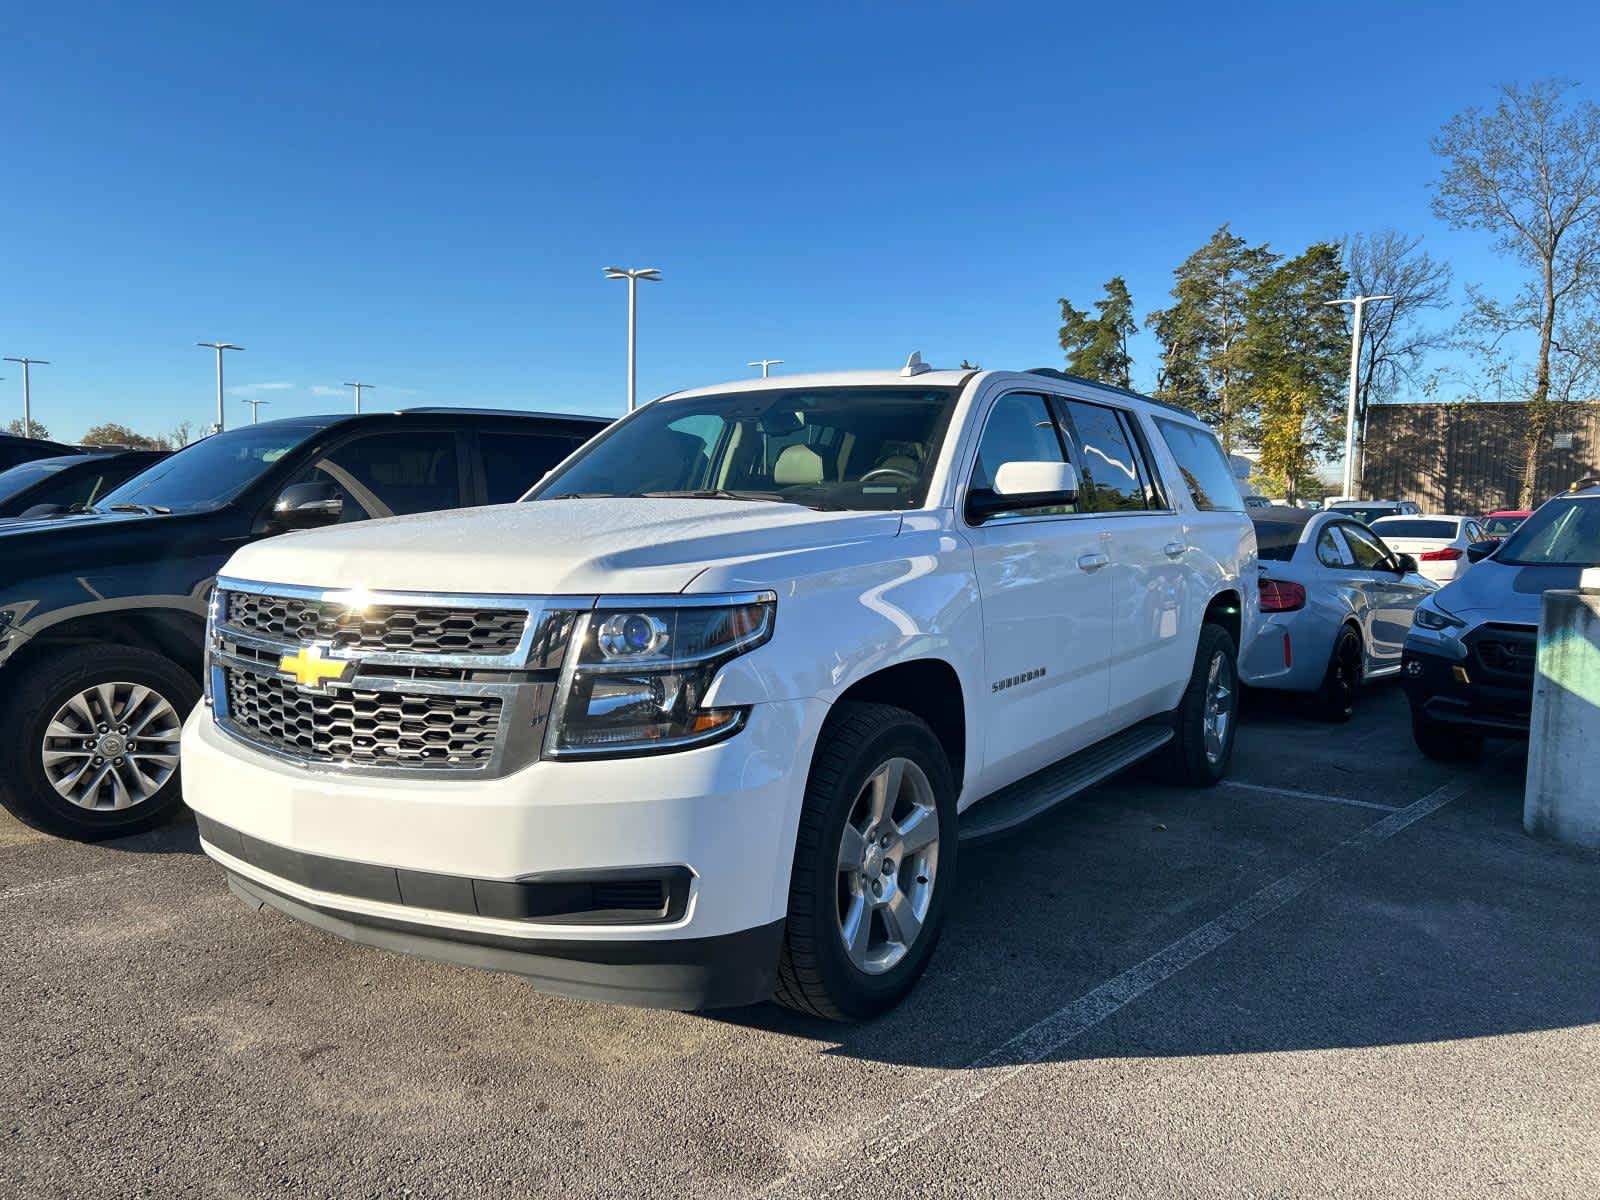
(1562, 800)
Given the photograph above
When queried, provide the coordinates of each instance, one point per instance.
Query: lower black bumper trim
(682, 973)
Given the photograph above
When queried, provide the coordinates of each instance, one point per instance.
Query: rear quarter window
(1203, 465)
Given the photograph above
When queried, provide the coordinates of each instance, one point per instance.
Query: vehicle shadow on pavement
(1459, 926)
(175, 836)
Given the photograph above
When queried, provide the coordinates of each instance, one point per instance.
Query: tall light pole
(766, 365)
(633, 275)
(1357, 303)
(27, 397)
(360, 387)
(255, 408)
(219, 347)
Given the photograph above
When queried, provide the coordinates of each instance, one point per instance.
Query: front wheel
(1206, 719)
(873, 866)
(91, 741)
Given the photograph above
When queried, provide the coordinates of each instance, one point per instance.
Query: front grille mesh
(362, 726)
(396, 629)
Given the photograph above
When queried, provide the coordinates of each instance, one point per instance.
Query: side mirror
(1405, 564)
(1479, 551)
(1023, 485)
(308, 506)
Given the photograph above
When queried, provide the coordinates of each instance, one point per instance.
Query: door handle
(1174, 549)
(1092, 562)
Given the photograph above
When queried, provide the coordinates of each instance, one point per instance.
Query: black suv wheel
(91, 745)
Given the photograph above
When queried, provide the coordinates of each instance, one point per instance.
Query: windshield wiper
(711, 494)
(154, 510)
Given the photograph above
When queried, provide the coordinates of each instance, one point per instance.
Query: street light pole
(359, 387)
(766, 365)
(633, 275)
(27, 397)
(1357, 303)
(255, 408)
(219, 347)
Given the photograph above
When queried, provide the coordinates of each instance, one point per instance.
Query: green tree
(1528, 172)
(1097, 347)
(109, 433)
(1294, 357)
(35, 429)
(1203, 335)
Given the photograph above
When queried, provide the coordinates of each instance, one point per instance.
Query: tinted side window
(514, 462)
(1330, 551)
(1204, 466)
(391, 474)
(1019, 429)
(1370, 554)
(1108, 458)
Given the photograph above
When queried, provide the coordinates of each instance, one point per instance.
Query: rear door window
(1203, 465)
(514, 462)
(1110, 462)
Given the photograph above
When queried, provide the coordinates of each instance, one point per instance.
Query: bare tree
(180, 436)
(1528, 171)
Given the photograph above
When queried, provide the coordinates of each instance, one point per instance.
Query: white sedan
(1438, 543)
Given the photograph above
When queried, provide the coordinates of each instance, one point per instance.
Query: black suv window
(1110, 461)
(391, 474)
(1204, 466)
(514, 462)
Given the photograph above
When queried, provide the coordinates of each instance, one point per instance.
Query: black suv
(102, 613)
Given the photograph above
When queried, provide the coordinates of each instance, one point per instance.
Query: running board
(1020, 802)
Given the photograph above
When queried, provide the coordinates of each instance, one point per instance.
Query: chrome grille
(392, 628)
(348, 724)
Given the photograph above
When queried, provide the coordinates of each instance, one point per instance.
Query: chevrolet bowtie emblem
(309, 669)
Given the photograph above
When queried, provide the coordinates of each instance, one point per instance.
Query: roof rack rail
(436, 409)
(1068, 377)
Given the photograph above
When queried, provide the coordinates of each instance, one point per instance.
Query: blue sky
(423, 196)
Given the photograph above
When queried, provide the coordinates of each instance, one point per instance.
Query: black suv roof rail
(1068, 377)
(506, 412)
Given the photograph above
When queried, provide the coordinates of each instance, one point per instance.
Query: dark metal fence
(1467, 458)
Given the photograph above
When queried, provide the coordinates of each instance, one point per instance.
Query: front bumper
(466, 871)
(1449, 682)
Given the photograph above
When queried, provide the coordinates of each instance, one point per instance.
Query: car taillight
(1448, 554)
(1280, 595)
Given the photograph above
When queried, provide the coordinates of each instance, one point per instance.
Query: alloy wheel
(112, 746)
(887, 863)
(1219, 706)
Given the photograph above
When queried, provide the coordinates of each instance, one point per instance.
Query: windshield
(831, 448)
(211, 471)
(1366, 515)
(1564, 533)
(18, 479)
(1415, 527)
(1276, 540)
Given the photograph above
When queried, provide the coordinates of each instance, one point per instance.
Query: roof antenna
(914, 365)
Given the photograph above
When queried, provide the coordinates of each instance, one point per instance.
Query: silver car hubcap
(888, 858)
(1219, 706)
(112, 746)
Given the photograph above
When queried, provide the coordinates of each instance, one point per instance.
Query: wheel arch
(930, 688)
(171, 632)
(1226, 608)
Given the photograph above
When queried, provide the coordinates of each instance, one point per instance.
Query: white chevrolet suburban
(703, 719)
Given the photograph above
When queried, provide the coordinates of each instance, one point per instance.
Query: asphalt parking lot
(1347, 973)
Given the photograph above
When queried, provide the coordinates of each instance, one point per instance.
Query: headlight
(1436, 619)
(634, 677)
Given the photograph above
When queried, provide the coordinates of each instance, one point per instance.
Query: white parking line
(1320, 796)
(957, 1090)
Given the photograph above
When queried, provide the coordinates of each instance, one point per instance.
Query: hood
(1496, 591)
(552, 547)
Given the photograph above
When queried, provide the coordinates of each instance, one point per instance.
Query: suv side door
(1047, 605)
(1148, 548)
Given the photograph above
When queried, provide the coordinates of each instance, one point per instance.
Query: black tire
(47, 684)
(1186, 759)
(815, 974)
(1444, 743)
(1335, 700)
